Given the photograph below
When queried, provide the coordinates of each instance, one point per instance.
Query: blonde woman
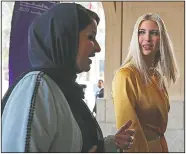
(139, 91)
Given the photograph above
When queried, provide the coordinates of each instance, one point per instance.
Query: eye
(154, 33)
(91, 37)
(141, 32)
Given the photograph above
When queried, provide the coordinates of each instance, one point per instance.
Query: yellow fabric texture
(145, 104)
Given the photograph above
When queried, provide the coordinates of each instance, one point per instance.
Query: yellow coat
(146, 105)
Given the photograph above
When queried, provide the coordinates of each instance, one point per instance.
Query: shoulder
(125, 76)
(47, 87)
(102, 90)
(36, 77)
(34, 85)
(40, 90)
(30, 79)
(126, 71)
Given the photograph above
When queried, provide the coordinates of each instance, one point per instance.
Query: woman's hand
(124, 137)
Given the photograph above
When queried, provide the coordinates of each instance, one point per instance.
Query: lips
(92, 55)
(147, 46)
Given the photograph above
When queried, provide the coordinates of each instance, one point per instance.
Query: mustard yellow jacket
(145, 104)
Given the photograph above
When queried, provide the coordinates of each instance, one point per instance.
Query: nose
(97, 47)
(147, 37)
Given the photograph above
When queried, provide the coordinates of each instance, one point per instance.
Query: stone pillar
(113, 43)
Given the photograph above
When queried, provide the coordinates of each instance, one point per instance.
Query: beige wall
(118, 38)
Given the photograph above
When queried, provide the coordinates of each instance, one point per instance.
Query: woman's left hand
(124, 137)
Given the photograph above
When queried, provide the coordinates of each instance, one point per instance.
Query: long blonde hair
(165, 62)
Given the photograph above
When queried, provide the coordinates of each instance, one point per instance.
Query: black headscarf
(53, 46)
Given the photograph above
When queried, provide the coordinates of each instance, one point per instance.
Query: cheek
(140, 40)
(89, 46)
(157, 42)
(85, 47)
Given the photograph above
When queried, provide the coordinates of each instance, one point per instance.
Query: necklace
(155, 76)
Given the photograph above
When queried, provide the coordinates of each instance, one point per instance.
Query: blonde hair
(165, 62)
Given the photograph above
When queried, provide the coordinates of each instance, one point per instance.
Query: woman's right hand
(93, 149)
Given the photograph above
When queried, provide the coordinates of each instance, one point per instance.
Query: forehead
(148, 24)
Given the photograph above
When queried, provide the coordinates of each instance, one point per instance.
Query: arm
(44, 125)
(125, 97)
(27, 127)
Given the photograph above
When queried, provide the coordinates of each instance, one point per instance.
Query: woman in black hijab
(44, 110)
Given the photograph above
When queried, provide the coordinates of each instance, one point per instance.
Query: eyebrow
(150, 30)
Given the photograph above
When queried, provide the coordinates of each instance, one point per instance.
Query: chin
(146, 53)
(87, 69)
(84, 69)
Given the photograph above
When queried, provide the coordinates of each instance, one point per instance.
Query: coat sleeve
(125, 98)
(29, 119)
(109, 144)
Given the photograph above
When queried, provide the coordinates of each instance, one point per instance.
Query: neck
(149, 60)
